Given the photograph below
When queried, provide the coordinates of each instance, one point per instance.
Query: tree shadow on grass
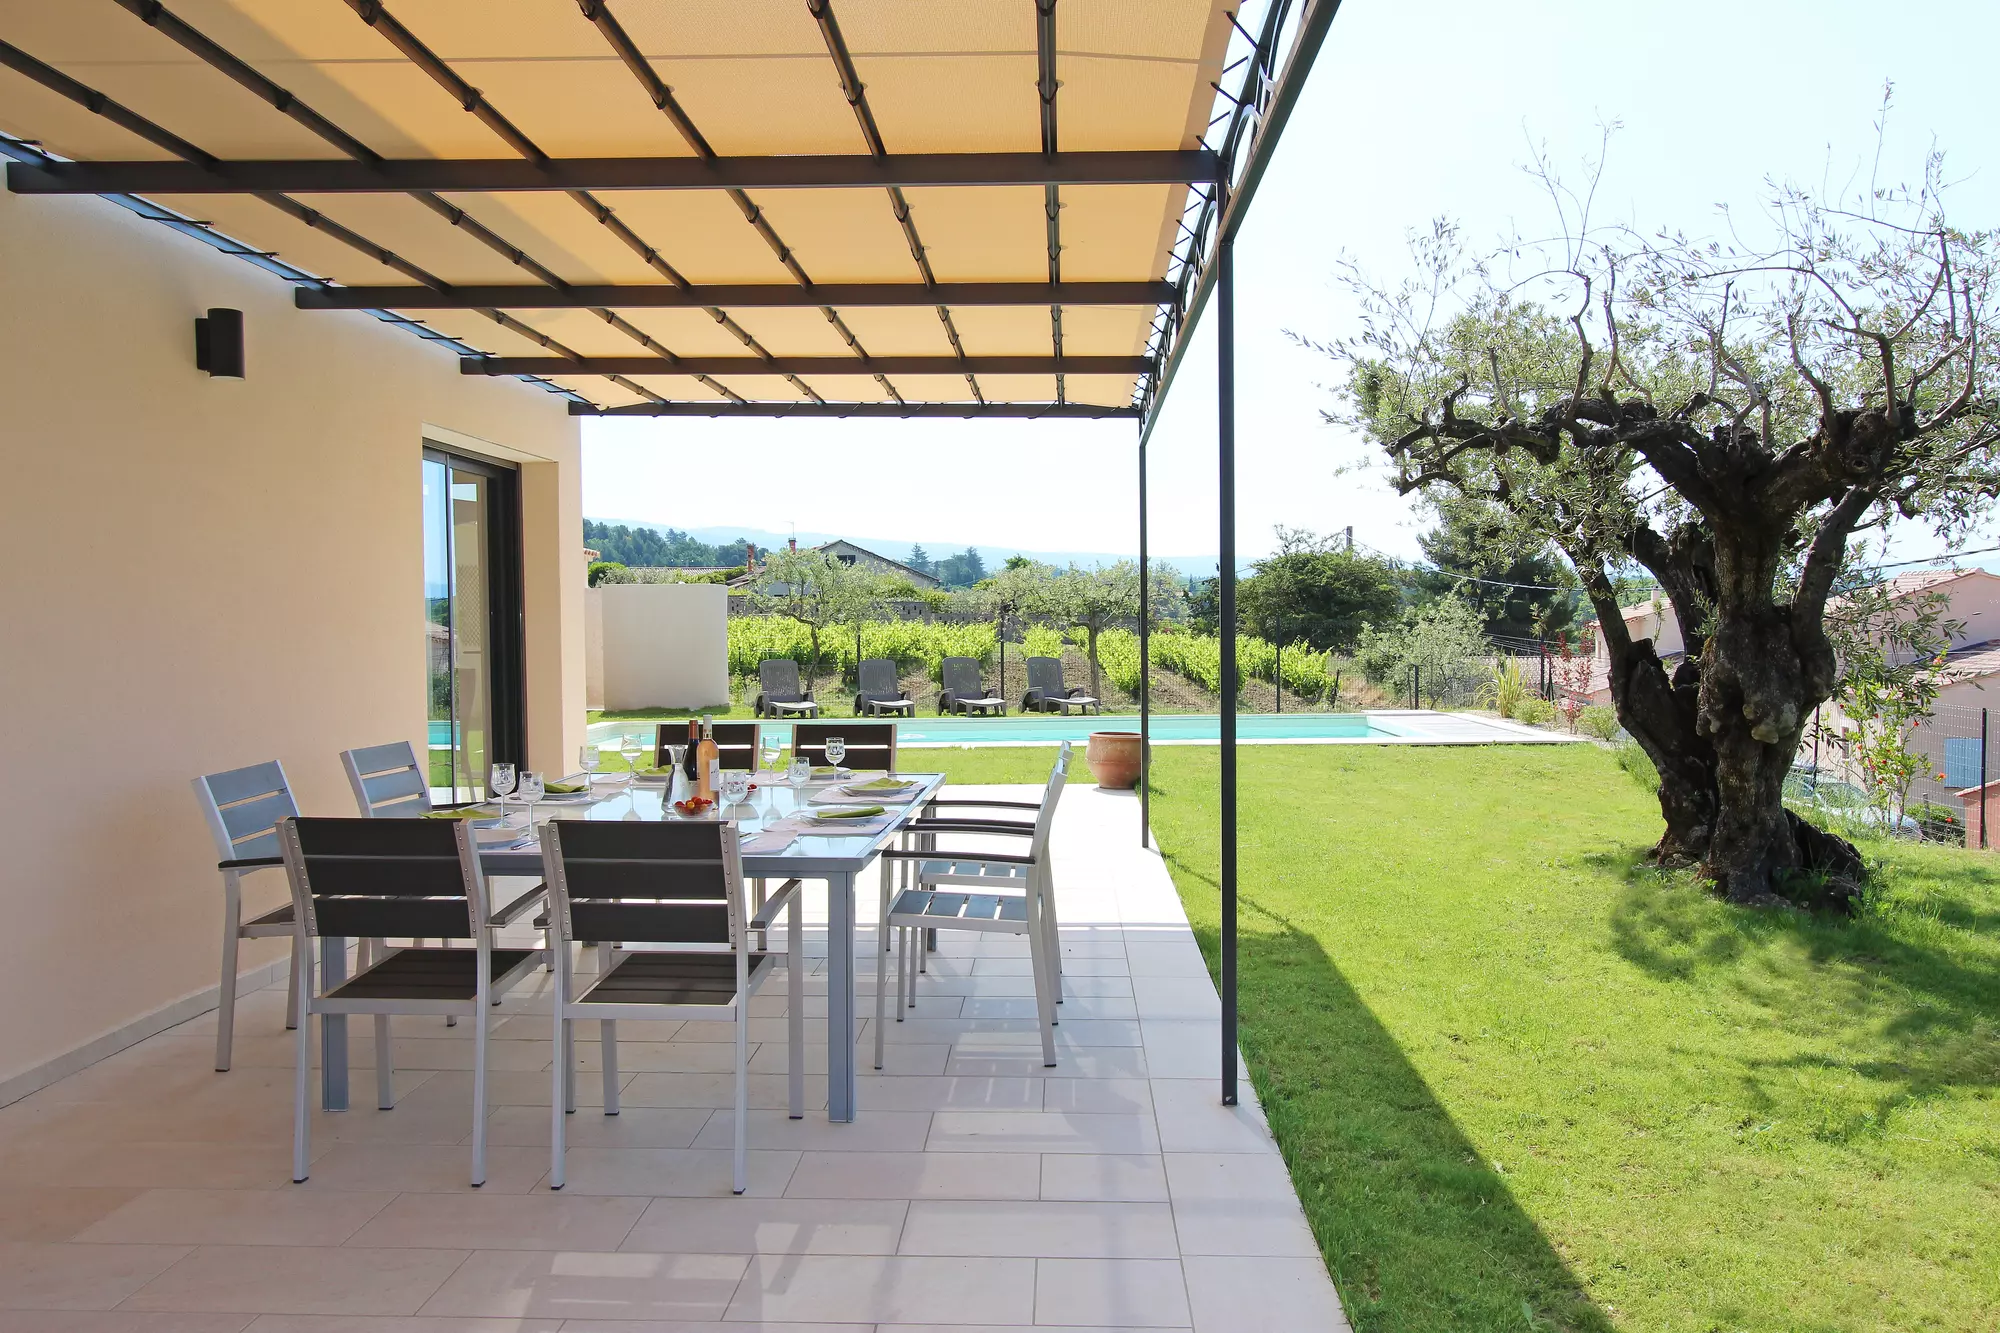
(1902, 1003)
(1418, 1232)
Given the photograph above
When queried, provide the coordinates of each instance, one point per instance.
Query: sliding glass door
(472, 619)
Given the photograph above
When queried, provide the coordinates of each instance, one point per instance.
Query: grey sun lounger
(778, 692)
(963, 692)
(877, 694)
(1047, 694)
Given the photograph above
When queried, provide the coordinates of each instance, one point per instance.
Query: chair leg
(881, 991)
(607, 1040)
(758, 893)
(563, 1083)
(385, 1065)
(568, 1056)
(292, 987)
(739, 1177)
(302, 1074)
(795, 1006)
(225, 995)
(481, 1029)
(1053, 930)
(1045, 1010)
(902, 961)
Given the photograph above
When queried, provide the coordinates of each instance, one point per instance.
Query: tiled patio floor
(976, 1190)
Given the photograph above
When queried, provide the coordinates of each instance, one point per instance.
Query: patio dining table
(833, 857)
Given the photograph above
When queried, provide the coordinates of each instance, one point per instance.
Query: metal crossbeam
(503, 175)
(1030, 411)
(806, 365)
(662, 295)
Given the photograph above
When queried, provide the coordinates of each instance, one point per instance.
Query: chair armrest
(994, 858)
(769, 912)
(995, 805)
(1006, 828)
(512, 912)
(250, 863)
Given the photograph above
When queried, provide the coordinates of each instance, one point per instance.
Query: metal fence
(1956, 746)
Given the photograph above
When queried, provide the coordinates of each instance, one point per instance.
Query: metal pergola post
(1225, 452)
(1145, 667)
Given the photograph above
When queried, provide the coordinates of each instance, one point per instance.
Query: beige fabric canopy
(751, 79)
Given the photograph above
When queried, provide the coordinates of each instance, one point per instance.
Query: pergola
(772, 208)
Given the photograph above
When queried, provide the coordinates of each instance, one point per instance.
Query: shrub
(1507, 689)
(1535, 711)
(609, 571)
(1599, 721)
(1041, 641)
(910, 644)
(1939, 823)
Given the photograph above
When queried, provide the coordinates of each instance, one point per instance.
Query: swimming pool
(1378, 728)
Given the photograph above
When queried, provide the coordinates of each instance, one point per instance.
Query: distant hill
(898, 548)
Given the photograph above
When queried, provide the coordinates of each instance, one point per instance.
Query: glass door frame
(507, 729)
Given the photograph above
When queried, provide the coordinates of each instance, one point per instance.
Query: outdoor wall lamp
(218, 343)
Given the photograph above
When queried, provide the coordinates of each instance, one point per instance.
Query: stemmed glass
(799, 775)
(768, 751)
(531, 789)
(499, 783)
(836, 750)
(631, 746)
(735, 786)
(589, 758)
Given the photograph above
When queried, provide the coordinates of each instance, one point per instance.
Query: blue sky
(1414, 111)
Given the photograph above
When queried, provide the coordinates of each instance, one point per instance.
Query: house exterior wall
(664, 645)
(198, 574)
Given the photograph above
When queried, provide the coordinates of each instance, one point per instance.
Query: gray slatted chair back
(387, 780)
(1045, 818)
(1045, 677)
(778, 680)
(242, 808)
(737, 742)
(960, 676)
(869, 744)
(376, 878)
(646, 883)
(878, 680)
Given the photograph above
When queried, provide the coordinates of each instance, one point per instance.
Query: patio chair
(869, 744)
(993, 892)
(407, 878)
(387, 780)
(877, 694)
(737, 742)
(679, 889)
(963, 692)
(1047, 693)
(778, 692)
(243, 807)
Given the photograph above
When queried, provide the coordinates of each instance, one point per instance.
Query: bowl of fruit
(694, 807)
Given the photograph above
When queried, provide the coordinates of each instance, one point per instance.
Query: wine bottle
(708, 779)
(689, 766)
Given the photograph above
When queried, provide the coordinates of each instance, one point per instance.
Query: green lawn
(1524, 1082)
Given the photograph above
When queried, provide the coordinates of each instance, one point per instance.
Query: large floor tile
(877, 1131)
(1192, 1118)
(1120, 1293)
(1098, 1096)
(673, 1172)
(38, 1276)
(1227, 1295)
(563, 1285)
(1041, 1132)
(912, 1175)
(322, 1323)
(237, 1217)
(852, 1289)
(589, 1127)
(1135, 1178)
(712, 1091)
(420, 1168)
(55, 1212)
(1080, 1230)
(142, 1165)
(939, 1092)
(1237, 1203)
(278, 1279)
(127, 1321)
(769, 1226)
(542, 1220)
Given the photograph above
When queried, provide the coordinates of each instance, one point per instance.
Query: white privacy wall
(664, 645)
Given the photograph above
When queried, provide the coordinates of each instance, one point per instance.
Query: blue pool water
(1047, 729)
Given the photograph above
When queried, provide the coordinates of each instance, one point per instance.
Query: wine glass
(768, 751)
(799, 775)
(499, 782)
(531, 788)
(836, 750)
(631, 745)
(735, 786)
(589, 758)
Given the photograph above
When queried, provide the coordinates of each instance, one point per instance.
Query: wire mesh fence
(1935, 795)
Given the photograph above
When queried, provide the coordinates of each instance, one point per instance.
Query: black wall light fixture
(218, 343)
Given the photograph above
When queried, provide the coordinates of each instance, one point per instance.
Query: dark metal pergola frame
(1201, 265)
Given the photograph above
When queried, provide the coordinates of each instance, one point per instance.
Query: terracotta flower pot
(1114, 758)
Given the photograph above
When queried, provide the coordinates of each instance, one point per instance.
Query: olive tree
(1727, 413)
(815, 590)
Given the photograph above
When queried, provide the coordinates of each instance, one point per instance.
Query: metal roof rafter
(810, 365)
(757, 295)
(898, 411)
(856, 94)
(1045, 87)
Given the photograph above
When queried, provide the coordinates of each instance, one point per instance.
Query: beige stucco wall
(665, 645)
(198, 574)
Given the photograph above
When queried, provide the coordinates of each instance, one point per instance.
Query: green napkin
(879, 784)
(848, 812)
(656, 772)
(468, 812)
(827, 771)
(564, 788)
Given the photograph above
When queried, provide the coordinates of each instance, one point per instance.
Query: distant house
(1649, 620)
(847, 553)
